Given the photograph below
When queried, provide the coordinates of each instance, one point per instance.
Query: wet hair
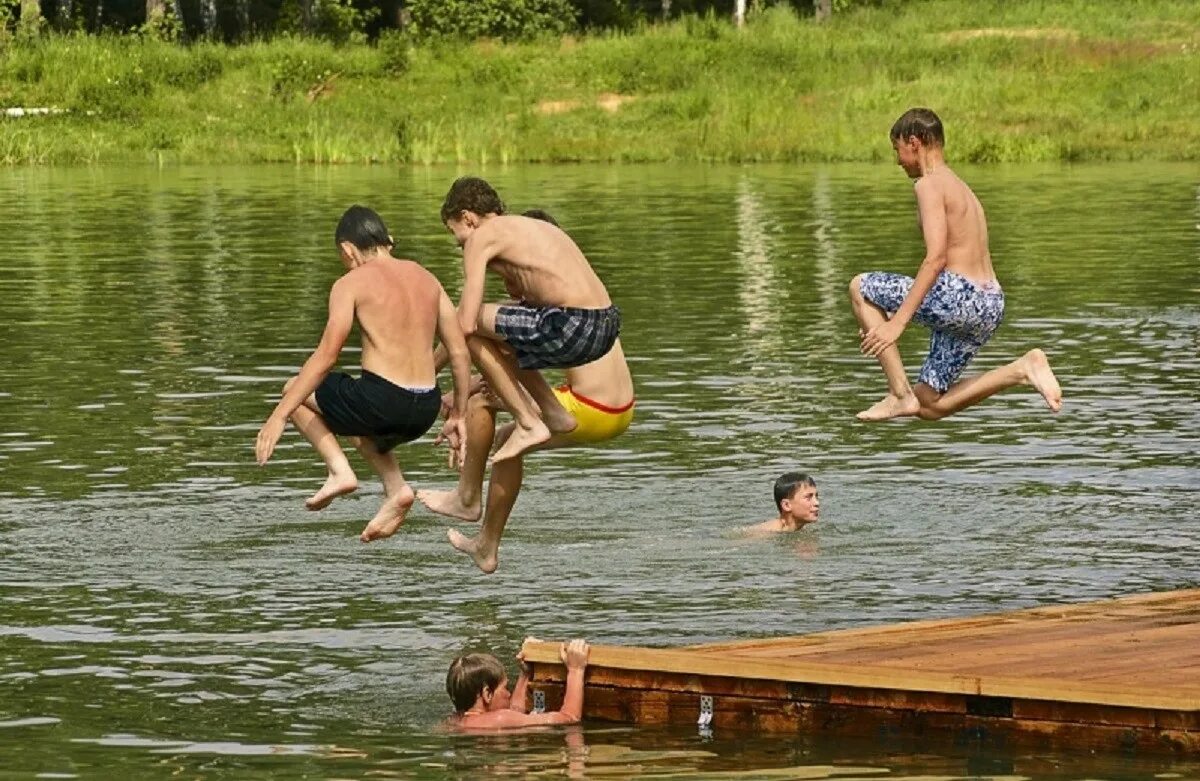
(470, 194)
(363, 228)
(787, 484)
(922, 123)
(470, 674)
(540, 214)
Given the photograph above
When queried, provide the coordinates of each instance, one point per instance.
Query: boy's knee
(930, 413)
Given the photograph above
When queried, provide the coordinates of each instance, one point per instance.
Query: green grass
(1014, 80)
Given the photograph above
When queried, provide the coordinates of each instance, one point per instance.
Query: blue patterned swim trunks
(961, 314)
(557, 337)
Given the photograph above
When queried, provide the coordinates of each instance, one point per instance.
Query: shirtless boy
(478, 687)
(563, 318)
(399, 307)
(598, 395)
(955, 294)
(798, 503)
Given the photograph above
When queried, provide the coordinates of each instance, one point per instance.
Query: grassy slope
(1070, 79)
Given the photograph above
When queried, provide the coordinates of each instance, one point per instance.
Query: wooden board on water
(1120, 674)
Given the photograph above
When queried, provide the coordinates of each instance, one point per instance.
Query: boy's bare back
(396, 305)
(540, 262)
(966, 232)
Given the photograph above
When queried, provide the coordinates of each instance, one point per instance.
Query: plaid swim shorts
(557, 337)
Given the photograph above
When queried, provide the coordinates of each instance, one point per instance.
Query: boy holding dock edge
(478, 687)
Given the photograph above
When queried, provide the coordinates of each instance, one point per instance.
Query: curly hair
(471, 194)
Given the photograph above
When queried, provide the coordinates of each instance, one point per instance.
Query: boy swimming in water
(955, 294)
(798, 503)
(478, 687)
(563, 316)
(399, 307)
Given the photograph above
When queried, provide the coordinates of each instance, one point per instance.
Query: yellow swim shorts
(597, 422)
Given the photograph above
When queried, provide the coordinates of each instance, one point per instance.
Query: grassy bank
(1015, 80)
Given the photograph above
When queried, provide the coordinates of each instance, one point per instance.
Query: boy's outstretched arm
(324, 358)
(454, 343)
(575, 656)
(932, 207)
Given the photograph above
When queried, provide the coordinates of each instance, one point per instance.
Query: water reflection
(166, 605)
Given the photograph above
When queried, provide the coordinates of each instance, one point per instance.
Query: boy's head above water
(916, 133)
(797, 499)
(477, 679)
(361, 232)
(470, 200)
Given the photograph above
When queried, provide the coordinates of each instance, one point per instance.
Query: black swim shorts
(376, 408)
(558, 337)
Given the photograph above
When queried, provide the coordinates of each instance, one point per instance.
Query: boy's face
(500, 697)
(908, 155)
(463, 226)
(803, 506)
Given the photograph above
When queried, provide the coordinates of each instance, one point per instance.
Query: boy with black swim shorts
(955, 294)
(562, 318)
(399, 307)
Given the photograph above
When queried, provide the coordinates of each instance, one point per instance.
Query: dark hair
(922, 123)
(363, 228)
(787, 484)
(540, 214)
(470, 674)
(471, 194)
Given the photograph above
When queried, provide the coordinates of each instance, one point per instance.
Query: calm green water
(168, 608)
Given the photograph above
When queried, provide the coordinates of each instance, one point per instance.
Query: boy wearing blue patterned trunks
(955, 294)
(563, 316)
(399, 307)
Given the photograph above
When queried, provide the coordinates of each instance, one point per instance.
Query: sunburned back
(541, 263)
(966, 227)
(396, 306)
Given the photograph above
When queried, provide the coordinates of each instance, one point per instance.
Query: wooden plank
(836, 719)
(683, 661)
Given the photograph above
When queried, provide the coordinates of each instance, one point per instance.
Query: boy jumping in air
(399, 307)
(955, 294)
(563, 316)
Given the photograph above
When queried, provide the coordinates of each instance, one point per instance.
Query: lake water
(169, 608)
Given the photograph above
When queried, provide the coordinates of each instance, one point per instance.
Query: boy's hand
(881, 337)
(574, 654)
(454, 434)
(447, 405)
(526, 667)
(268, 437)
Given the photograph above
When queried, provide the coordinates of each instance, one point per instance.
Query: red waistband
(596, 404)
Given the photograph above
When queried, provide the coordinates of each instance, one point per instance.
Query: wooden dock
(1121, 674)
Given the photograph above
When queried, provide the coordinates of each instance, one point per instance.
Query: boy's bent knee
(856, 287)
(930, 413)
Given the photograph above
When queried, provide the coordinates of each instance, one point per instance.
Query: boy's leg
(341, 479)
(463, 502)
(500, 371)
(556, 417)
(900, 400)
(1030, 369)
(397, 492)
(503, 488)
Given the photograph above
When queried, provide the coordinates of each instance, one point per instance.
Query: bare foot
(335, 486)
(521, 440)
(450, 503)
(1041, 377)
(891, 407)
(390, 516)
(470, 546)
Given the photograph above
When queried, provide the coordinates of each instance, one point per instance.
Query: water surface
(167, 607)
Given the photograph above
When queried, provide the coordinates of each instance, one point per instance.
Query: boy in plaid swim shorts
(562, 318)
(955, 294)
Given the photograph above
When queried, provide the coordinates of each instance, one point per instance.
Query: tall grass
(1015, 80)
